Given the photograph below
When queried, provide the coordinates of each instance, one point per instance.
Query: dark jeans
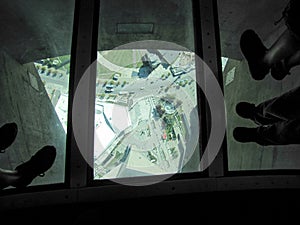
(279, 119)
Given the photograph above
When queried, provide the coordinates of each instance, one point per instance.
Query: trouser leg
(281, 108)
(285, 46)
(280, 133)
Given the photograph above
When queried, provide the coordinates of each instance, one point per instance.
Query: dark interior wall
(247, 208)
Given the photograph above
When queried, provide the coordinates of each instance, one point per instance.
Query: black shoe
(254, 50)
(8, 133)
(36, 166)
(245, 135)
(280, 70)
(245, 110)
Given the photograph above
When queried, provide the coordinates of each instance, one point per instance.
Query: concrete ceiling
(235, 16)
(172, 21)
(35, 29)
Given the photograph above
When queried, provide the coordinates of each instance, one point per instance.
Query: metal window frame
(212, 56)
(83, 57)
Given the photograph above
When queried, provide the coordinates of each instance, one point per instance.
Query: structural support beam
(212, 57)
(82, 58)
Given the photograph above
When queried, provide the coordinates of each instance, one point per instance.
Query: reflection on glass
(260, 135)
(145, 103)
(34, 67)
(35, 98)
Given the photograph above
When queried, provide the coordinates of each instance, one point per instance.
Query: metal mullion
(211, 56)
(82, 54)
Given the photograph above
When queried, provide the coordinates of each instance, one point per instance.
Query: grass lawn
(124, 58)
(103, 71)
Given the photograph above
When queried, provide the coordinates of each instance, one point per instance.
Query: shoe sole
(254, 50)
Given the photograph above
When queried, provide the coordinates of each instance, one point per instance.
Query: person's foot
(8, 133)
(36, 166)
(254, 51)
(245, 110)
(280, 70)
(245, 135)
